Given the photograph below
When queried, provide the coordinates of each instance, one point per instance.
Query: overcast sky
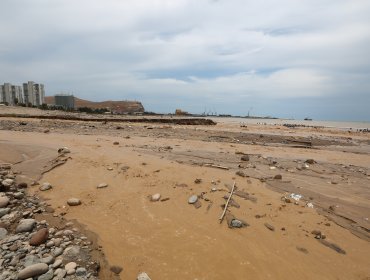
(286, 58)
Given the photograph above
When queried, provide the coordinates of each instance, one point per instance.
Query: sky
(286, 58)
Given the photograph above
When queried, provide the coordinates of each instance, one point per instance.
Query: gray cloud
(285, 58)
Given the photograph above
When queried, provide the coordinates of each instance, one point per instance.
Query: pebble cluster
(31, 249)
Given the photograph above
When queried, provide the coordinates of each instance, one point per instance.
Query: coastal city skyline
(281, 59)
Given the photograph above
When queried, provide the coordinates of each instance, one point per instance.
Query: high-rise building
(30, 94)
(17, 94)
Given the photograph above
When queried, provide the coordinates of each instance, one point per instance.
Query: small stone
(57, 263)
(3, 233)
(33, 270)
(193, 199)
(45, 186)
(81, 271)
(278, 177)
(4, 200)
(47, 260)
(143, 276)
(115, 143)
(4, 211)
(70, 265)
(7, 183)
(155, 197)
(236, 223)
(60, 273)
(102, 185)
(47, 276)
(71, 271)
(39, 237)
(116, 269)
(22, 185)
(198, 181)
(310, 161)
(270, 227)
(25, 225)
(18, 195)
(73, 202)
(57, 252)
(244, 158)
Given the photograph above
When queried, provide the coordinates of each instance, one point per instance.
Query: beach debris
(45, 186)
(227, 203)
(332, 246)
(73, 201)
(270, 227)
(296, 197)
(143, 276)
(155, 197)
(309, 205)
(192, 199)
(102, 185)
(63, 150)
(216, 166)
(232, 202)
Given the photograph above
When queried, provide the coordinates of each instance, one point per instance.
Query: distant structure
(67, 101)
(180, 112)
(31, 94)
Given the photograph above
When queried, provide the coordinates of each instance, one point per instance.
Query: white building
(30, 94)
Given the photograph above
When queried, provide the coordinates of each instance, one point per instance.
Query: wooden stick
(216, 166)
(227, 203)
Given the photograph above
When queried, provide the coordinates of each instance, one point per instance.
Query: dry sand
(172, 239)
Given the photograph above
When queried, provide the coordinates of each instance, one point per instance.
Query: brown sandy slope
(172, 239)
(122, 106)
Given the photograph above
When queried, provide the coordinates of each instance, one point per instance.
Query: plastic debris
(296, 197)
(309, 205)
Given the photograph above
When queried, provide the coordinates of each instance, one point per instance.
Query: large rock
(39, 237)
(33, 270)
(73, 201)
(4, 200)
(4, 211)
(25, 225)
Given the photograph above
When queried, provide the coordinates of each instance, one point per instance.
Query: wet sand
(172, 239)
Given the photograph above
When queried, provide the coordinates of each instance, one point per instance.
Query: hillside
(115, 106)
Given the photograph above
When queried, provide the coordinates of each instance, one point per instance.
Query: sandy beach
(324, 234)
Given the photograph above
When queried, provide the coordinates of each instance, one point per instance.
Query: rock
(115, 143)
(73, 202)
(81, 271)
(71, 271)
(143, 276)
(25, 225)
(47, 276)
(63, 150)
(70, 265)
(33, 270)
(198, 181)
(116, 269)
(57, 252)
(270, 227)
(3, 233)
(244, 158)
(47, 260)
(102, 185)
(72, 253)
(4, 211)
(31, 260)
(57, 263)
(278, 177)
(39, 237)
(303, 250)
(236, 223)
(310, 161)
(193, 199)
(45, 186)
(18, 195)
(7, 183)
(4, 200)
(22, 185)
(60, 273)
(155, 197)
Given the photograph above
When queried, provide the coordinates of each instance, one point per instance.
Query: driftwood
(216, 166)
(227, 203)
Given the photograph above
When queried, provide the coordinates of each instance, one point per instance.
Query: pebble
(4, 200)
(47, 260)
(244, 158)
(102, 185)
(33, 270)
(70, 265)
(278, 177)
(64, 150)
(4, 211)
(39, 237)
(73, 202)
(81, 271)
(155, 197)
(3, 233)
(7, 183)
(45, 186)
(57, 252)
(270, 227)
(193, 199)
(25, 225)
(116, 269)
(57, 263)
(47, 276)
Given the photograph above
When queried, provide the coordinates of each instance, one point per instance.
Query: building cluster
(30, 94)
